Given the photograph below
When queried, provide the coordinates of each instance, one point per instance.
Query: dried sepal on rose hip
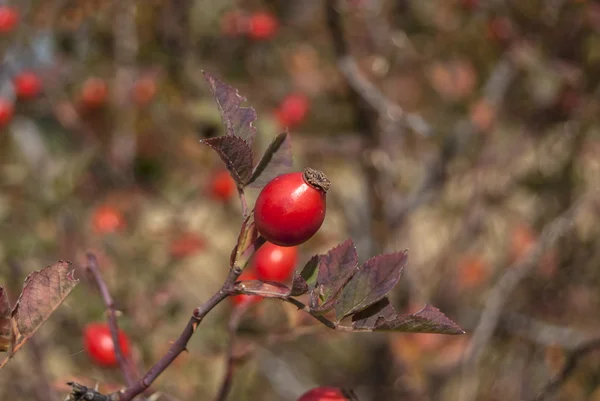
(290, 209)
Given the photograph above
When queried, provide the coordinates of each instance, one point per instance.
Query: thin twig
(234, 322)
(568, 369)
(501, 291)
(126, 366)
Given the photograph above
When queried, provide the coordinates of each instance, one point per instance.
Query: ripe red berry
(291, 208)
(27, 85)
(186, 244)
(94, 92)
(247, 275)
(9, 18)
(293, 110)
(107, 219)
(222, 187)
(7, 110)
(263, 26)
(275, 263)
(99, 345)
(324, 394)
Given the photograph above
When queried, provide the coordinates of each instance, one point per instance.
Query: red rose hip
(275, 263)
(291, 208)
(7, 111)
(27, 85)
(99, 345)
(324, 394)
(9, 18)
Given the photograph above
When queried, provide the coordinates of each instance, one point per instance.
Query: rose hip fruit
(222, 187)
(324, 394)
(7, 110)
(99, 345)
(293, 110)
(262, 26)
(107, 219)
(290, 209)
(275, 263)
(27, 85)
(9, 18)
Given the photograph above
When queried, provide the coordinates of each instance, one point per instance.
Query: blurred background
(464, 130)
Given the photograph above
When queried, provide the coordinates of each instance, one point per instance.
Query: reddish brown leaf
(237, 155)
(374, 279)
(5, 322)
(43, 292)
(276, 160)
(427, 320)
(375, 314)
(299, 285)
(335, 268)
(266, 289)
(238, 120)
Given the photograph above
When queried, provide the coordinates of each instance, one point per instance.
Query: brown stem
(126, 367)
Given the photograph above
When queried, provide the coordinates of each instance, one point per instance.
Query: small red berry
(293, 110)
(186, 244)
(107, 219)
(222, 187)
(7, 110)
(291, 208)
(324, 394)
(99, 345)
(27, 85)
(263, 26)
(9, 18)
(94, 92)
(247, 275)
(275, 263)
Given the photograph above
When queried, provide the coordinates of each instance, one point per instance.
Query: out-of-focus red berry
(107, 219)
(7, 110)
(324, 394)
(99, 344)
(94, 92)
(262, 26)
(235, 23)
(275, 263)
(247, 275)
(186, 244)
(9, 18)
(27, 85)
(222, 187)
(293, 110)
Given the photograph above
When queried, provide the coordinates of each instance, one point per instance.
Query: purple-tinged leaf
(427, 320)
(335, 268)
(376, 314)
(299, 285)
(309, 272)
(6, 335)
(43, 292)
(374, 279)
(266, 289)
(237, 155)
(276, 160)
(238, 120)
(246, 243)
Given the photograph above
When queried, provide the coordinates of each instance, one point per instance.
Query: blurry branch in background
(501, 291)
(232, 326)
(126, 49)
(125, 365)
(568, 368)
(494, 91)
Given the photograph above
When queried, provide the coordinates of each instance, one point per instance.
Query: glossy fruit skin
(222, 187)
(94, 92)
(275, 263)
(293, 110)
(288, 210)
(9, 18)
(7, 110)
(107, 219)
(247, 275)
(99, 345)
(262, 26)
(323, 394)
(27, 85)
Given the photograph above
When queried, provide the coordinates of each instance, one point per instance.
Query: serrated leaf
(43, 292)
(427, 320)
(5, 322)
(335, 268)
(237, 155)
(374, 279)
(375, 314)
(276, 160)
(299, 285)
(309, 271)
(238, 120)
(266, 289)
